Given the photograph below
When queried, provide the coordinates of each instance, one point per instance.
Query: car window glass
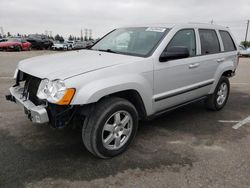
(139, 41)
(121, 42)
(209, 42)
(241, 48)
(227, 41)
(184, 38)
(14, 40)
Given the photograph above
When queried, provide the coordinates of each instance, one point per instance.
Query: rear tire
(110, 128)
(218, 99)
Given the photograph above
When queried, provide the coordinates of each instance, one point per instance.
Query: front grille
(30, 87)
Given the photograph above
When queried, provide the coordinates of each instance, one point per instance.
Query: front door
(178, 81)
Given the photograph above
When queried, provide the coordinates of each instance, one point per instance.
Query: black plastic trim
(176, 107)
(183, 91)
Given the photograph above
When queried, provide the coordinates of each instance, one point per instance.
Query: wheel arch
(134, 97)
(227, 72)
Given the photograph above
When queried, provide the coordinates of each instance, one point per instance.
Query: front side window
(227, 41)
(209, 42)
(14, 40)
(137, 41)
(184, 38)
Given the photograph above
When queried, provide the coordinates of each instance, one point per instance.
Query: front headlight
(55, 92)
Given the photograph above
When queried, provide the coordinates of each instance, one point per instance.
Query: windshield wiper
(107, 50)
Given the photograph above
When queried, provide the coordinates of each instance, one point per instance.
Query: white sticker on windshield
(156, 29)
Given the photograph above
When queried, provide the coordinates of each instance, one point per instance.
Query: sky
(67, 17)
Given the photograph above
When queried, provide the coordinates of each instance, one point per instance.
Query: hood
(69, 64)
(2, 44)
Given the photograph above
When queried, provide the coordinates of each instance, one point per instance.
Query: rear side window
(227, 41)
(209, 42)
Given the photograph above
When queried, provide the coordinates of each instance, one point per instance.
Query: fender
(226, 66)
(97, 89)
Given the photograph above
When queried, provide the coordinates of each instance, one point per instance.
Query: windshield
(139, 41)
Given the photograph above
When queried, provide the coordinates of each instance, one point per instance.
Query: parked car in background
(245, 52)
(15, 44)
(71, 44)
(3, 39)
(40, 41)
(80, 45)
(60, 46)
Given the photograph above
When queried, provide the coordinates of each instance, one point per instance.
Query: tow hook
(10, 98)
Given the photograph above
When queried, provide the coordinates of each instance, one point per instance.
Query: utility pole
(247, 31)
(86, 34)
(1, 30)
(90, 34)
(81, 35)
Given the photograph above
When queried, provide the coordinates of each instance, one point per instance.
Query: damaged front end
(24, 93)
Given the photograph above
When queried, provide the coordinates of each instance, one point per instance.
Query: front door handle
(220, 60)
(194, 65)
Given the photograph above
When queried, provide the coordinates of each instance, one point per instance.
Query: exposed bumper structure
(37, 114)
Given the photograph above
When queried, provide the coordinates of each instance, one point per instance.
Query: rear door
(210, 54)
(214, 55)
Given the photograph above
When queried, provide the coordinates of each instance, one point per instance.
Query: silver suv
(131, 74)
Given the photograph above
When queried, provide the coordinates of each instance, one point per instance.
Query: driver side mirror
(176, 52)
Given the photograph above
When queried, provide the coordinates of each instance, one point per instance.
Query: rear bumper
(37, 114)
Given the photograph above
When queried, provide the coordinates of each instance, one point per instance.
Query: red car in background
(15, 44)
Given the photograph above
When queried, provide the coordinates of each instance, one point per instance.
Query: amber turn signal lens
(68, 96)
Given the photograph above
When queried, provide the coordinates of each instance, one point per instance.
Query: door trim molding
(183, 90)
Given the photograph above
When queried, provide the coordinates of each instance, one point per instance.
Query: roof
(186, 25)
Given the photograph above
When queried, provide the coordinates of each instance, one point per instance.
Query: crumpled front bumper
(37, 114)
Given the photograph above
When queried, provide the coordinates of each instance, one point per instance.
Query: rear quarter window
(209, 42)
(228, 42)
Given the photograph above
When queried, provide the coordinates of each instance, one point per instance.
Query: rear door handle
(220, 60)
(194, 65)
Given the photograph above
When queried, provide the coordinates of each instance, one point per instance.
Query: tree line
(57, 37)
(246, 44)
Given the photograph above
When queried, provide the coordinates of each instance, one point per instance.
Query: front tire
(218, 99)
(110, 128)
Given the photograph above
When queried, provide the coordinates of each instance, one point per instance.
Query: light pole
(247, 31)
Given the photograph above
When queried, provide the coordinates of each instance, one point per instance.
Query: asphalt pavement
(188, 147)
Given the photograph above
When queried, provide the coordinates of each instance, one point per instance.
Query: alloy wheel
(117, 130)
